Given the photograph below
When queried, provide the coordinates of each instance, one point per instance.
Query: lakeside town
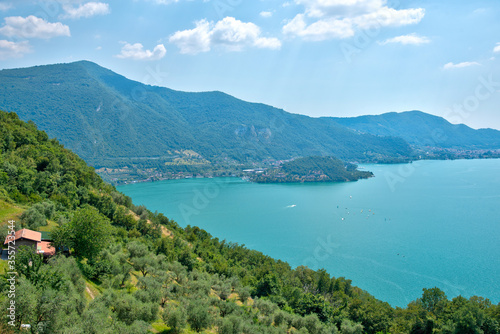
(193, 165)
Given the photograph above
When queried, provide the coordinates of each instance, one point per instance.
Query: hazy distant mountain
(105, 117)
(421, 129)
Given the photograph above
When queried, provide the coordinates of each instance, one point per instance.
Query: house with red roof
(33, 239)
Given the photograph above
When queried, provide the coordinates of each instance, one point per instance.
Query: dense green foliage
(312, 169)
(424, 130)
(38, 214)
(87, 233)
(145, 271)
(34, 168)
(110, 121)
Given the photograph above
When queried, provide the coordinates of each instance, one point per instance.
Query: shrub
(230, 325)
(175, 318)
(198, 316)
(33, 219)
(347, 327)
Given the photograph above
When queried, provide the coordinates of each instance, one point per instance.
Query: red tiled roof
(24, 234)
(45, 248)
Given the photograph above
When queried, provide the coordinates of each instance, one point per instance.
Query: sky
(338, 58)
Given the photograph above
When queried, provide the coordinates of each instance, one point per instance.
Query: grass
(48, 228)
(133, 280)
(94, 289)
(160, 327)
(9, 212)
(3, 267)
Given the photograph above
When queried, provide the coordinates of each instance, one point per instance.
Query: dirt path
(90, 292)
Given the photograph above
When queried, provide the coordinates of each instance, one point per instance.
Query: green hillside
(130, 270)
(111, 121)
(312, 169)
(424, 130)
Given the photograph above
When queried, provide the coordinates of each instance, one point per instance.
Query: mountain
(110, 120)
(424, 130)
(129, 270)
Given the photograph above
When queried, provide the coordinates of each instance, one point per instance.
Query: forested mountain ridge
(143, 273)
(109, 120)
(424, 130)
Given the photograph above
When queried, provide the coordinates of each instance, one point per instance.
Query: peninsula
(311, 169)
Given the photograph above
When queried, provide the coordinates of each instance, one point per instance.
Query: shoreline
(199, 176)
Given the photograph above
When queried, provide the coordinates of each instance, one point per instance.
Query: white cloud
(450, 66)
(319, 30)
(136, 52)
(229, 33)
(339, 8)
(5, 6)
(327, 19)
(33, 27)
(386, 17)
(497, 48)
(412, 39)
(13, 50)
(266, 14)
(194, 40)
(268, 43)
(70, 2)
(480, 11)
(163, 2)
(86, 10)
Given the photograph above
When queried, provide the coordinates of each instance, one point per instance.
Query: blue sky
(313, 57)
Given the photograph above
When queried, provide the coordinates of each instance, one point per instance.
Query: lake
(412, 226)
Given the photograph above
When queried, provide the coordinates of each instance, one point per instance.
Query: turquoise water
(426, 224)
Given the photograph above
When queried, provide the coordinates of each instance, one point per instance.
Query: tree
(431, 298)
(144, 263)
(28, 263)
(324, 281)
(187, 259)
(230, 325)
(198, 316)
(137, 249)
(88, 233)
(422, 326)
(122, 218)
(269, 285)
(469, 319)
(244, 294)
(33, 218)
(96, 319)
(27, 299)
(349, 327)
(313, 325)
(175, 318)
